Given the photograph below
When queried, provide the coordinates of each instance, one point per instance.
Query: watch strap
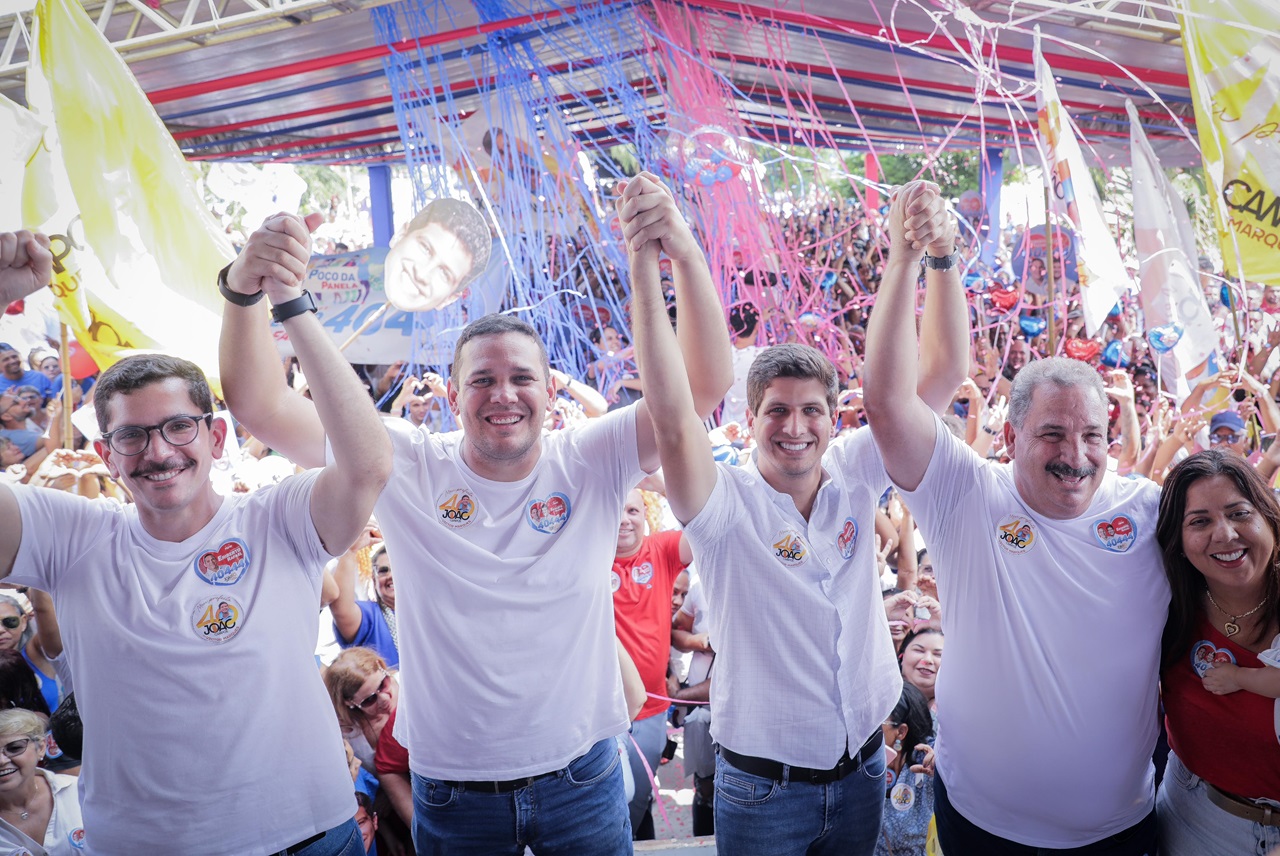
(234, 296)
(946, 262)
(291, 308)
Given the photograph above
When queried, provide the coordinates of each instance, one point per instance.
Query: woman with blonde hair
(39, 810)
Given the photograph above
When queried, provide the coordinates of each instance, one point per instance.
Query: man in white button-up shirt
(805, 673)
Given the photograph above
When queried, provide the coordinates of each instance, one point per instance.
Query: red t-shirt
(642, 586)
(390, 756)
(1230, 740)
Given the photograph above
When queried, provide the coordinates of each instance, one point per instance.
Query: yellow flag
(1233, 61)
(137, 251)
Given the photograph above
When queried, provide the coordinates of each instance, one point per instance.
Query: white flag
(1102, 275)
(1168, 272)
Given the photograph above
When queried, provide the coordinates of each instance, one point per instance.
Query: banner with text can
(1233, 62)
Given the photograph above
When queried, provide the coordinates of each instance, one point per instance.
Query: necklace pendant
(1232, 628)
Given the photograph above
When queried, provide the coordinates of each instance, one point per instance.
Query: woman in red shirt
(1219, 528)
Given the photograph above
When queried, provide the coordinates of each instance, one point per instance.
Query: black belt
(500, 787)
(301, 845)
(776, 770)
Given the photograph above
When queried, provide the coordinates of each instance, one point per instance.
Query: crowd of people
(523, 610)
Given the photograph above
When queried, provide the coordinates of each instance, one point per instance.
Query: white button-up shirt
(804, 666)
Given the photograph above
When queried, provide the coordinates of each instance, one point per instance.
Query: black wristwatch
(234, 296)
(943, 263)
(290, 308)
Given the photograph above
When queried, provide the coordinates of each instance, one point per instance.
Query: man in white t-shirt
(199, 610)
(1054, 594)
(805, 673)
(501, 538)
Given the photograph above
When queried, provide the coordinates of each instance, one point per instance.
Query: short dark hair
(743, 319)
(495, 325)
(133, 373)
(18, 687)
(467, 225)
(363, 800)
(1185, 582)
(790, 360)
(912, 710)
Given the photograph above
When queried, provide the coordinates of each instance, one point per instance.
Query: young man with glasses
(202, 605)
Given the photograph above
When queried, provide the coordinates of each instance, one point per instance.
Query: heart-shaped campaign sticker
(549, 515)
(1083, 349)
(642, 573)
(224, 566)
(1116, 535)
(1205, 655)
(847, 540)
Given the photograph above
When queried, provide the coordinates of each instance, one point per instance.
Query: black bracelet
(290, 308)
(234, 296)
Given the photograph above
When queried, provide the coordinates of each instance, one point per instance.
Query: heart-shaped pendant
(1232, 628)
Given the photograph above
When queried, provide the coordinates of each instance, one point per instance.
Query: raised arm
(253, 381)
(668, 404)
(26, 266)
(347, 489)
(944, 326)
(648, 212)
(346, 613)
(901, 421)
(593, 403)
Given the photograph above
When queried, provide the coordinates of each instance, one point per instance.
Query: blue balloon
(974, 282)
(691, 170)
(1112, 356)
(1225, 294)
(724, 172)
(1163, 338)
(706, 179)
(1032, 326)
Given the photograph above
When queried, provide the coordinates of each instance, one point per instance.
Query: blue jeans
(1190, 825)
(650, 734)
(755, 815)
(578, 811)
(343, 840)
(957, 834)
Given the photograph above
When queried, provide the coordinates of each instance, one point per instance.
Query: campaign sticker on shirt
(224, 566)
(789, 548)
(847, 540)
(642, 573)
(1116, 535)
(1015, 533)
(615, 581)
(549, 515)
(1205, 655)
(218, 619)
(903, 796)
(51, 748)
(456, 507)
(76, 837)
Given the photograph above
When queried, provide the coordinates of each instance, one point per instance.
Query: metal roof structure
(303, 80)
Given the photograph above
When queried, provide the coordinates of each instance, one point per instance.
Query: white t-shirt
(695, 606)
(804, 660)
(735, 400)
(504, 611)
(207, 729)
(64, 836)
(1047, 702)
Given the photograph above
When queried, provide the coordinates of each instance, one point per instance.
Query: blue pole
(380, 207)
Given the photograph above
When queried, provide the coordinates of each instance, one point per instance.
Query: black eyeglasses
(133, 440)
(11, 622)
(371, 699)
(14, 748)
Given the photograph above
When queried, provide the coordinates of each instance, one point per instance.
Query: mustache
(1061, 469)
(160, 467)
